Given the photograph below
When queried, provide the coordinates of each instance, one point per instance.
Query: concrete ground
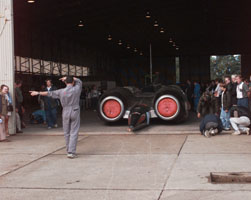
(92, 125)
(117, 165)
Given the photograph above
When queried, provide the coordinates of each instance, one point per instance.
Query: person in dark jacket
(139, 117)
(19, 101)
(229, 86)
(189, 93)
(234, 87)
(210, 125)
(207, 105)
(50, 106)
(240, 119)
(226, 105)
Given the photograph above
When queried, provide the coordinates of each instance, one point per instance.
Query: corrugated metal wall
(7, 50)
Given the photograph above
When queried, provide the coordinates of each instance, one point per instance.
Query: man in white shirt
(218, 92)
(242, 92)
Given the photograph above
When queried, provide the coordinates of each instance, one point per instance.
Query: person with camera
(3, 112)
(207, 105)
(10, 110)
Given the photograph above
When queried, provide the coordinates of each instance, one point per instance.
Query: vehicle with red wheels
(168, 103)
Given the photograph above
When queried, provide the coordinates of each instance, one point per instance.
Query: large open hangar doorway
(126, 42)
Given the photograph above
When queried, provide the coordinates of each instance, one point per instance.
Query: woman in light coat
(3, 112)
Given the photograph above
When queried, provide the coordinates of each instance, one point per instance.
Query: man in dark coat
(210, 125)
(50, 106)
(189, 93)
(234, 86)
(207, 105)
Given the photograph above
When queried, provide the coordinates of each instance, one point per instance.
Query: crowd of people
(6, 110)
(222, 104)
(89, 97)
(47, 111)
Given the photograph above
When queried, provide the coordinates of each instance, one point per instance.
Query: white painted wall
(7, 51)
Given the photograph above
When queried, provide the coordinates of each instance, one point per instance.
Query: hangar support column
(7, 72)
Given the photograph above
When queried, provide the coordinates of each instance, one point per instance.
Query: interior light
(109, 37)
(148, 16)
(120, 42)
(80, 24)
(156, 23)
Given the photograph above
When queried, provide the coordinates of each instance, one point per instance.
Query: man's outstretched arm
(54, 94)
(35, 93)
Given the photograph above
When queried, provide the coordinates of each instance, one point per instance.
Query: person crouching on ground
(225, 107)
(240, 120)
(69, 98)
(38, 117)
(210, 125)
(139, 117)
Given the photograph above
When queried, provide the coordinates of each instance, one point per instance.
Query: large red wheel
(167, 107)
(111, 108)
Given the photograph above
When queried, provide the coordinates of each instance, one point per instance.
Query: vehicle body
(168, 103)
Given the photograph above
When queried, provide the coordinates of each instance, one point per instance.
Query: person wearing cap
(69, 98)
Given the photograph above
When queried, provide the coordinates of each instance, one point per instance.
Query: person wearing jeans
(225, 107)
(242, 92)
(240, 119)
(50, 106)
